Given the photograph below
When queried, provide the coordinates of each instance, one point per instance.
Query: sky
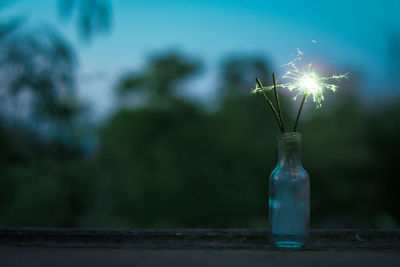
(349, 35)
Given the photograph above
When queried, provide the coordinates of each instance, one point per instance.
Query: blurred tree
(37, 82)
(143, 152)
(394, 62)
(93, 16)
(239, 72)
(42, 168)
(382, 133)
(9, 26)
(160, 78)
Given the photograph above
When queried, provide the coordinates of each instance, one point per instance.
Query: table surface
(192, 247)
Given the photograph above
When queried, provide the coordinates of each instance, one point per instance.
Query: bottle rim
(289, 138)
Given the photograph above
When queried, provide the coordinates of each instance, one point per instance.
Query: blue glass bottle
(289, 197)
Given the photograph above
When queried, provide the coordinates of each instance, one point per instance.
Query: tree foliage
(92, 16)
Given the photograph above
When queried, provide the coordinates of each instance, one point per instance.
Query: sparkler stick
(298, 113)
(277, 102)
(270, 104)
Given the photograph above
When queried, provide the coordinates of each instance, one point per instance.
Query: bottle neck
(289, 149)
(289, 155)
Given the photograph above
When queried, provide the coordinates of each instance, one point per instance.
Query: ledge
(192, 238)
(48, 247)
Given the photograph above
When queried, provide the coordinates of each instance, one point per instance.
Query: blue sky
(349, 35)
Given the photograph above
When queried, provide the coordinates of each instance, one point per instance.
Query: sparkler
(280, 123)
(305, 83)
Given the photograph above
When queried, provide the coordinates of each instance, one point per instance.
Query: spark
(306, 82)
(310, 82)
(299, 52)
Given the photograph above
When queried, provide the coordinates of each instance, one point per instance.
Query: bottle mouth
(289, 138)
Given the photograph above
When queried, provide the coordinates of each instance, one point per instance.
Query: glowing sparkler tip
(304, 81)
(308, 81)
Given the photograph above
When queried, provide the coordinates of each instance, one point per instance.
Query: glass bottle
(289, 197)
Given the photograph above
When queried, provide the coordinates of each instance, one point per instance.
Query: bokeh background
(138, 113)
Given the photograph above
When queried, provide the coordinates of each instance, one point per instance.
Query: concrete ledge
(49, 247)
(192, 239)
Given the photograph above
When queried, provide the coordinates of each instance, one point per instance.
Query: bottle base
(288, 242)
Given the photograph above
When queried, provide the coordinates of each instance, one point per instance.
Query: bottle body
(289, 197)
